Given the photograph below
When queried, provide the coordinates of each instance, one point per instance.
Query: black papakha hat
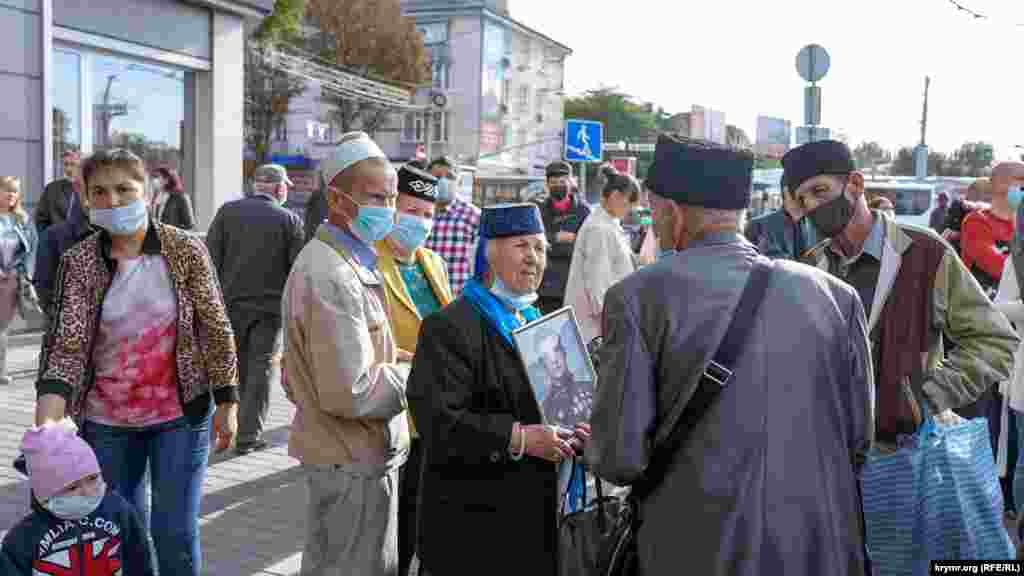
(815, 159)
(701, 173)
(558, 168)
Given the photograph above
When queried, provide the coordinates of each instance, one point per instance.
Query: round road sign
(812, 63)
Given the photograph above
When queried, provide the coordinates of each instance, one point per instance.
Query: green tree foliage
(623, 118)
(284, 24)
(971, 159)
(869, 154)
(268, 90)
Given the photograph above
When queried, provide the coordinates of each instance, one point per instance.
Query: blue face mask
(1015, 195)
(663, 253)
(122, 220)
(511, 299)
(411, 231)
(373, 223)
(445, 192)
(76, 506)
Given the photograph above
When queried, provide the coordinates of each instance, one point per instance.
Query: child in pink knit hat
(76, 525)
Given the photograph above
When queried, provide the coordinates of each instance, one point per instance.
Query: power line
(975, 14)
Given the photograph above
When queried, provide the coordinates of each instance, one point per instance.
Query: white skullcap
(354, 147)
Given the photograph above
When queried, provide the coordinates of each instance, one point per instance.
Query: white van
(914, 201)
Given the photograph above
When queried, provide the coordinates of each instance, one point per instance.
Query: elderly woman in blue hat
(489, 480)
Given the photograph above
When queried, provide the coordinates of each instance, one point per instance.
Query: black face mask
(559, 192)
(830, 219)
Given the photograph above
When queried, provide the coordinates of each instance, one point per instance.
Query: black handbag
(581, 533)
(618, 555)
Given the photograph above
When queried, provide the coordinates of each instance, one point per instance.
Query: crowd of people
(390, 318)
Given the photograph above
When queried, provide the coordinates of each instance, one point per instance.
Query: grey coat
(766, 482)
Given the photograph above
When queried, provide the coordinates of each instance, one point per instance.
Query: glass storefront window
(67, 128)
(140, 107)
(111, 101)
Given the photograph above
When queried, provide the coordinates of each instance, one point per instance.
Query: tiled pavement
(253, 511)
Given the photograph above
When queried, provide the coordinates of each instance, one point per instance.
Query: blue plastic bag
(936, 498)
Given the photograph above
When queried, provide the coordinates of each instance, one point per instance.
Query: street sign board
(805, 134)
(812, 63)
(584, 140)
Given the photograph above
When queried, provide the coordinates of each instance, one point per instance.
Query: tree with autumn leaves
(370, 38)
(373, 39)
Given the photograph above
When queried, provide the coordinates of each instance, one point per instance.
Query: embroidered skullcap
(701, 173)
(503, 221)
(352, 148)
(815, 159)
(416, 182)
(558, 168)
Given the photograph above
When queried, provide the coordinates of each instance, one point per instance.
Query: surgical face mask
(411, 231)
(1015, 195)
(445, 192)
(76, 506)
(831, 218)
(122, 220)
(513, 300)
(666, 253)
(559, 192)
(373, 223)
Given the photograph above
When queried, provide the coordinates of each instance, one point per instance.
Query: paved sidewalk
(253, 513)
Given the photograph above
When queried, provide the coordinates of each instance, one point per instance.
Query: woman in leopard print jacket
(139, 352)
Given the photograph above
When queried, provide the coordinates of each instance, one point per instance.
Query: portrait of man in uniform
(559, 368)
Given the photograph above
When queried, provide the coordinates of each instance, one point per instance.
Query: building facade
(163, 78)
(496, 99)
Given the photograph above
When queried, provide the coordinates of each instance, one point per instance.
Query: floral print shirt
(135, 361)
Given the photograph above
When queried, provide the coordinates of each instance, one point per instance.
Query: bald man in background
(985, 234)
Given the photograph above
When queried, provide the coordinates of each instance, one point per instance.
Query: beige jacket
(343, 374)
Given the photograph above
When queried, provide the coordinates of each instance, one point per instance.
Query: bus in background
(913, 201)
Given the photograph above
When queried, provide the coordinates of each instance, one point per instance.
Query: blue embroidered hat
(502, 221)
(701, 173)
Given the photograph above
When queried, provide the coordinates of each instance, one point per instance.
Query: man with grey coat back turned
(768, 472)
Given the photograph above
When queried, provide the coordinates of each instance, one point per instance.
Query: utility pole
(105, 111)
(924, 113)
(921, 150)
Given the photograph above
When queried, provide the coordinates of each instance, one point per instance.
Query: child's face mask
(79, 499)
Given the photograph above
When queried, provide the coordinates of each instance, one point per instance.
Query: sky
(155, 102)
(739, 56)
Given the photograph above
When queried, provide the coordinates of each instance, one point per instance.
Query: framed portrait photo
(558, 366)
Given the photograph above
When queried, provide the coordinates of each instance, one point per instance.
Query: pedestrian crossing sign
(584, 141)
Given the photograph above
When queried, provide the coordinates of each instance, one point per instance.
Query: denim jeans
(177, 454)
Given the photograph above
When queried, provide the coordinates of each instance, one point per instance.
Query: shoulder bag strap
(717, 376)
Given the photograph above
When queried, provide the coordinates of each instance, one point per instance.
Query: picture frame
(558, 366)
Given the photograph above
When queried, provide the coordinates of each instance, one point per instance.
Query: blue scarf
(503, 320)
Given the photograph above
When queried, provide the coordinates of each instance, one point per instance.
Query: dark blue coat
(776, 236)
(52, 245)
(110, 539)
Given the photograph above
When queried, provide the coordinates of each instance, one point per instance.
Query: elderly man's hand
(404, 355)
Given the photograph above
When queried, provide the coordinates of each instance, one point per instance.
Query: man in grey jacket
(768, 474)
(254, 242)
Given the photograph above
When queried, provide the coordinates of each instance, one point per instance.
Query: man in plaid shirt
(456, 227)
